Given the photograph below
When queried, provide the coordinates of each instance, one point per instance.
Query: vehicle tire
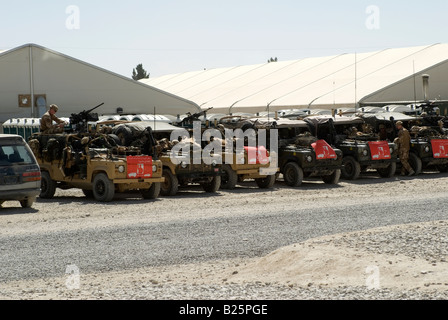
(103, 188)
(124, 134)
(416, 163)
(266, 183)
(153, 192)
(388, 172)
(332, 178)
(229, 178)
(47, 187)
(171, 185)
(88, 193)
(212, 186)
(351, 168)
(293, 174)
(27, 203)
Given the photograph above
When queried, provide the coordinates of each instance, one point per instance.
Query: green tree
(273, 60)
(139, 73)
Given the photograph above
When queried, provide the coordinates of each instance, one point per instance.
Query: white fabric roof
(324, 82)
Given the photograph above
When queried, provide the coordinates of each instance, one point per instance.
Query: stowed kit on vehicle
(95, 162)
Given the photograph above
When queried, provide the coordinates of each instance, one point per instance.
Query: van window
(15, 154)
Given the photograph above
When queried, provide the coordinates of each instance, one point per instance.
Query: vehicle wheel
(212, 186)
(388, 172)
(266, 183)
(332, 178)
(88, 193)
(171, 184)
(27, 203)
(229, 178)
(293, 174)
(351, 168)
(47, 187)
(103, 188)
(153, 192)
(124, 134)
(416, 163)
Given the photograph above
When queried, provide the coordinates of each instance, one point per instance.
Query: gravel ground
(372, 239)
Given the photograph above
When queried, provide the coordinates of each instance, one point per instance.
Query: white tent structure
(342, 81)
(33, 77)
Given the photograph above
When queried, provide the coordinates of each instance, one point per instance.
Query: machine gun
(188, 121)
(78, 121)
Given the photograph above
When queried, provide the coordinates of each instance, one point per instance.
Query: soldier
(46, 122)
(404, 145)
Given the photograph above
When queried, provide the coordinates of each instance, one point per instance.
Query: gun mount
(78, 121)
(188, 121)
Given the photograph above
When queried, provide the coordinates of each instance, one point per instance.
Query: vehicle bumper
(19, 194)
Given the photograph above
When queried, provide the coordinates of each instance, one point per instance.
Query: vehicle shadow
(17, 210)
(371, 178)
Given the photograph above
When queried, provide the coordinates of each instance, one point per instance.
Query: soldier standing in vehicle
(46, 122)
(404, 145)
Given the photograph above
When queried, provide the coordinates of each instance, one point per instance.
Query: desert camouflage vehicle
(362, 148)
(183, 170)
(429, 139)
(95, 162)
(255, 164)
(300, 154)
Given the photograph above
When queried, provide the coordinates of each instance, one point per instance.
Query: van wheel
(27, 203)
(47, 187)
(351, 168)
(153, 192)
(103, 188)
(332, 178)
(171, 184)
(212, 186)
(266, 183)
(293, 174)
(229, 178)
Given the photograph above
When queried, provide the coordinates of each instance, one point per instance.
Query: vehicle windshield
(15, 154)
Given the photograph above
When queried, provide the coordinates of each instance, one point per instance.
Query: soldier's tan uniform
(404, 145)
(46, 122)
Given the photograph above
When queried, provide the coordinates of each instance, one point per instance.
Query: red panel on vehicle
(380, 150)
(324, 150)
(257, 155)
(440, 148)
(139, 167)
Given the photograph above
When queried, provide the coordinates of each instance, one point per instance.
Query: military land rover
(95, 162)
(300, 154)
(429, 139)
(179, 169)
(362, 148)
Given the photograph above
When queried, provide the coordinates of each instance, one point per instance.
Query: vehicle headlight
(365, 152)
(121, 169)
(391, 150)
(154, 168)
(183, 164)
(214, 163)
(427, 149)
(309, 158)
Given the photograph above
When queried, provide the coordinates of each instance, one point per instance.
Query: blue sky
(173, 36)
